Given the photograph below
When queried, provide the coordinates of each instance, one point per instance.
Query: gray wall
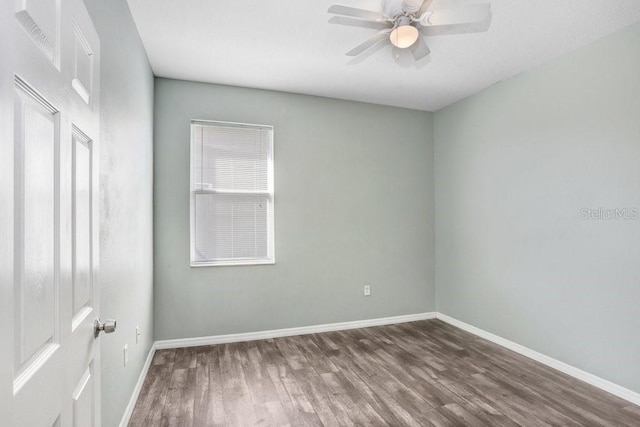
(515, 165)
(126, 215)
(353, 206)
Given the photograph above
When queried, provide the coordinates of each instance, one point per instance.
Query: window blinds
(231, 193)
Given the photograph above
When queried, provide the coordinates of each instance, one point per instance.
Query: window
(231, 194)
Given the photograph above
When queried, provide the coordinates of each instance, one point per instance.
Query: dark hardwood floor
(425, 373)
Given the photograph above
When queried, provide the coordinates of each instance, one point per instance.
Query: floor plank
(425, 373)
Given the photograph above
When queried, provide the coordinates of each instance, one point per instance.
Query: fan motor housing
(402, 20)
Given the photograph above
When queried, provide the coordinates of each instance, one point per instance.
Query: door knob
(107, 326)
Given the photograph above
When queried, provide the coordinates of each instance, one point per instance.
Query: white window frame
(270, 193)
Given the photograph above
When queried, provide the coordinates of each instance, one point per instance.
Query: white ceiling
(288, 45)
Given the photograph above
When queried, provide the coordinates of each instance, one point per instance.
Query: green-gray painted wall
(126, 202)
(515, 165)
(353, 206)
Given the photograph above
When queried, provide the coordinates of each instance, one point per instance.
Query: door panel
(36, 332)
(83, 64)
(82, 282)
(83, 363)
(83, 405)
(37, 358)
(53, 208)
(40, 19)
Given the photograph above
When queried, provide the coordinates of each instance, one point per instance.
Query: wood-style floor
(420, 374)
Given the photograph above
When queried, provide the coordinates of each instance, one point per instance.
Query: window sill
(232, 263)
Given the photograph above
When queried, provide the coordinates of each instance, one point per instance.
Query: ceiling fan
(402, 21)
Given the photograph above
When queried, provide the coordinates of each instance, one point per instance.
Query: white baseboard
(136, 390)
(304, 330)
(601, 383)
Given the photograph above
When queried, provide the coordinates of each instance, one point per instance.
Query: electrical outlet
(126, 354)
(367, 290)
(137, 334)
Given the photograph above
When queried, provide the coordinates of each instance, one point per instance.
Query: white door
(49, 121)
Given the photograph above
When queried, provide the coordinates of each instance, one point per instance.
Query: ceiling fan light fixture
(404, 36)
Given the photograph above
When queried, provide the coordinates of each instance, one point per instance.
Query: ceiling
(288, 45)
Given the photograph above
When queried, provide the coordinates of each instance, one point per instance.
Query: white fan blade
(382, 35)
(419, 49)
(343, 20)
(448, 30)
(357, 13)
(411, 6)
(462, 15)
(353, 60)
(424, 7)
